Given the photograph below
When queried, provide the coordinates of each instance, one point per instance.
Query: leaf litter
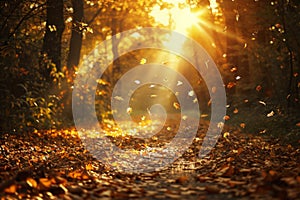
(54, 164)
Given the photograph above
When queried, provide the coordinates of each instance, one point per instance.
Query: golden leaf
(89, 166)
(31, 182)
(176, 105)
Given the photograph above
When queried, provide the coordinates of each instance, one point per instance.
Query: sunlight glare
(178, 17)
(184, 19)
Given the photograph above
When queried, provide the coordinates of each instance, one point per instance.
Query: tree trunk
(54, 29)
(76, 37)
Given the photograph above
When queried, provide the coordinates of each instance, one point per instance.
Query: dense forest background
(254, 43)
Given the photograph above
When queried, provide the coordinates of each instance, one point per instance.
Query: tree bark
(76, 37)
(54, 29)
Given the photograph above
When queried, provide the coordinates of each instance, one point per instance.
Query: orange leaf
(242, 125)
(182, 179)
(226, 117)
(298, 179)
(240, 150)
(272, 172)
(298, 124)
(11, 189)
(230, 85)
(89, 166)
(45, 182)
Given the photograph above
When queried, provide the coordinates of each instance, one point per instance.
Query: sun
(179, 17)
(184, 19)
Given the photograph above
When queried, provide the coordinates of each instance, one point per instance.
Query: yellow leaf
(226, 134)
(31, 182)
(89, 166)
(143, 61)
(176, 105)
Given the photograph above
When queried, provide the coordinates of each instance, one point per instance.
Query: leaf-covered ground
(54, 165)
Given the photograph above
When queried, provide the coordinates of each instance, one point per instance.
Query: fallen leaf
(233, 183)
(45, 182)
(182, 179)
(31, 182)
(89, 166)
(226, 134)
(11, 189)
(212, 189)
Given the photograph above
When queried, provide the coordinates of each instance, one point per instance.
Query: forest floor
(54, 164)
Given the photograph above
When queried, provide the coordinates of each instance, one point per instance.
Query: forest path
(54, 165)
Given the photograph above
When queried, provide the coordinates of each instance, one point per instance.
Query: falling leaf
(220, 125)
(118, 98)
(271, 114)
(233, 69)
(213, 89)
(230, 85)
(184, 117)
(137, 82)
(191, 93)
(263, 131)
(226, 117)
(242, 125)
(129, 110)
(258, 88)
(179, 83)
(143, 61)
(298, 124)
(235, 111)
(263, 103)
(209, 102)
(176, 105)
